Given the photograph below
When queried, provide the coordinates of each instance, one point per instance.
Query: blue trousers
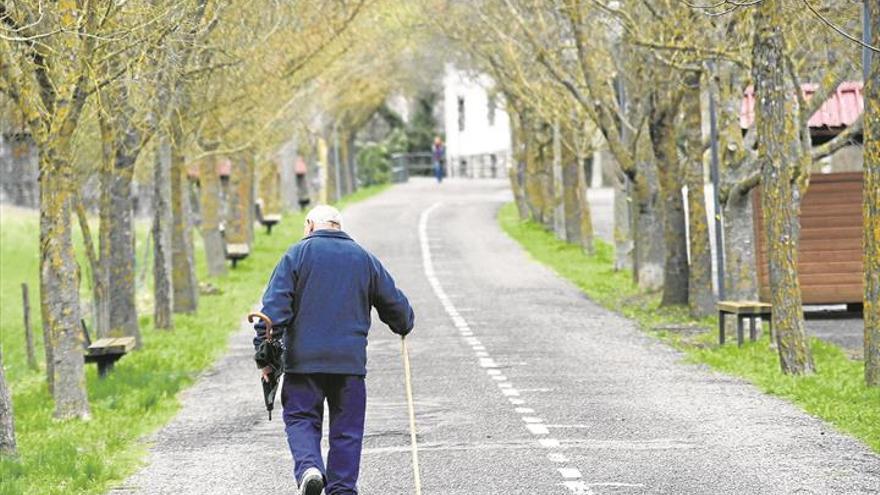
(302, 397)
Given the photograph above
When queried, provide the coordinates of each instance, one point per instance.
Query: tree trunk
(701, 299)
(183, 274)
(328, 172)
(676, 272)
(162, 233)
(352, 162)
(121, 249)
(100, 298)
(871, 211)
(239, 210)
(59, 289)
(209, 201)
(741, 280)
(649, 243)
(269, 188)
(571, 193)
(7, 418)
(557, 188)
(780, 155)
(517, 171)
(583, 205)
(623, 238)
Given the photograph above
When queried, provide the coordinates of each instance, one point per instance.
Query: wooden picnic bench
(743, 310)
(106, 351)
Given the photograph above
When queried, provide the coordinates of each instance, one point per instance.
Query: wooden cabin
(830, 253)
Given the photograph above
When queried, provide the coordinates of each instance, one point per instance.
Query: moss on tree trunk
(183, 275)
(701, 299)
(780, 154)
(871, 210)
(162, 233)
(209, 205)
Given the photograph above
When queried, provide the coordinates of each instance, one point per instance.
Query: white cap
(324, 214)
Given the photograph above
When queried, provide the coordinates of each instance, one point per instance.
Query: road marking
(578, 487)
(538, 429)
(534, 424)
(570, 473)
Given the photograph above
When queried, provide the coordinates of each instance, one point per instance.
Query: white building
(477, 127)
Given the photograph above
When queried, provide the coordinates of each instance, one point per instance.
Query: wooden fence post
(28, 335)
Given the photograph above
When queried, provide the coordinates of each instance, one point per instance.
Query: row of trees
(635, 77)
(107, 90)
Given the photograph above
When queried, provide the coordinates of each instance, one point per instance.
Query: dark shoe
(312, 482)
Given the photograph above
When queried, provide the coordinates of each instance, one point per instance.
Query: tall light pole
(866, 40)
(716, 183)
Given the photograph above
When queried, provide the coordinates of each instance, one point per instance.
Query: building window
(461, 113)
(491, 101)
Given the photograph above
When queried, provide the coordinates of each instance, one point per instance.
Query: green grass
(75, 457)
(836, 393)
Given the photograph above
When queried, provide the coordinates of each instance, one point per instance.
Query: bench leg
(770, 329)
(721, 328)
(269, 229)
(104, 367)
(739, 330)
(234, 262)
(753, 328)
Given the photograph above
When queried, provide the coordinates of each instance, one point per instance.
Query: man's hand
(265, 373)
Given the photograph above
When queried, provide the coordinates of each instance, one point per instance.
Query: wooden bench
(270, 221)
(743, 310)
(237, 252)
(106, 351)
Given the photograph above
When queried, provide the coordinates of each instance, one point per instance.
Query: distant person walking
(320, 296)
(438, 157)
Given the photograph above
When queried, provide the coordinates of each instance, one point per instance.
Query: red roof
(224, 167)
(842, 108)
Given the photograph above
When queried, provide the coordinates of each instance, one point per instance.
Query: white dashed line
(538, 429)
(578, 487)
(570, 473)
(534, 424)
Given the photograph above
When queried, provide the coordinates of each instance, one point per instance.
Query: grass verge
(75, 457)
(836, 393)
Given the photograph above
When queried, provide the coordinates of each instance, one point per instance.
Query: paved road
(523, 387)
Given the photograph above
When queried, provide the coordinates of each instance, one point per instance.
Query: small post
(28, 335)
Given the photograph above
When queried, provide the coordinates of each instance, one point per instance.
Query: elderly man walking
(320, 296)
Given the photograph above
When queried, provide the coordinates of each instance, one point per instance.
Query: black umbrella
(269, 354)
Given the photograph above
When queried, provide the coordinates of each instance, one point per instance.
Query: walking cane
(412, 416)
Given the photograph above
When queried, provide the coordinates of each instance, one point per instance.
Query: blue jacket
(320, 295)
